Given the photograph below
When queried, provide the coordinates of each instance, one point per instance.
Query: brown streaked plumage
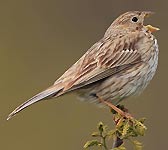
(121, 64)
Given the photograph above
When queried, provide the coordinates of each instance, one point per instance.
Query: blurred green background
(39, 40)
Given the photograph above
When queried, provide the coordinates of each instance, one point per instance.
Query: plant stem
(117, 142)
(104, 142)
(103, 139)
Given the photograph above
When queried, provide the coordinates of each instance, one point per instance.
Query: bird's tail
(48, 93)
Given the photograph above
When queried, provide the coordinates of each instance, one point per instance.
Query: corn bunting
(119, 65)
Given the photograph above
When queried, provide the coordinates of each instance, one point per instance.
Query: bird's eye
(134, 19)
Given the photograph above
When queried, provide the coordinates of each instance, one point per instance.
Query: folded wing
(105, 58)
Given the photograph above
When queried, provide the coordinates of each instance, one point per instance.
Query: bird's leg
(118, 110)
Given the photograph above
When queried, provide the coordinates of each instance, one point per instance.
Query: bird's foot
(124, 112)
(119, 109)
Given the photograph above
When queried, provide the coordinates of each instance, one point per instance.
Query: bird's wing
(104, 59)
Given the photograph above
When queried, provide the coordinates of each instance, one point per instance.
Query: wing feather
(104, 59)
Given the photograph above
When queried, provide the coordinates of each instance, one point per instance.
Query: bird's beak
(150, 27)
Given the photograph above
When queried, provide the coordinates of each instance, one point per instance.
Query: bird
(121, 64)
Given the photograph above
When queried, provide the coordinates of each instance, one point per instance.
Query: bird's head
(133, 20)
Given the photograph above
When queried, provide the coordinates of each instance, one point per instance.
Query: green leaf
(95, 134)
(126, 127)
(111, 133)
(92, 143)
(121, 122)
(100, 127)
(142, 120)
(119, 148)
(138, 145)
(140, 128)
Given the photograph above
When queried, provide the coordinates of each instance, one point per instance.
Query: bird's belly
(122, 85)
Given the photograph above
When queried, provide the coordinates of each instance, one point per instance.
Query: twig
(117, 142)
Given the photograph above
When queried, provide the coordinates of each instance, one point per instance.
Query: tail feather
(50, 92)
